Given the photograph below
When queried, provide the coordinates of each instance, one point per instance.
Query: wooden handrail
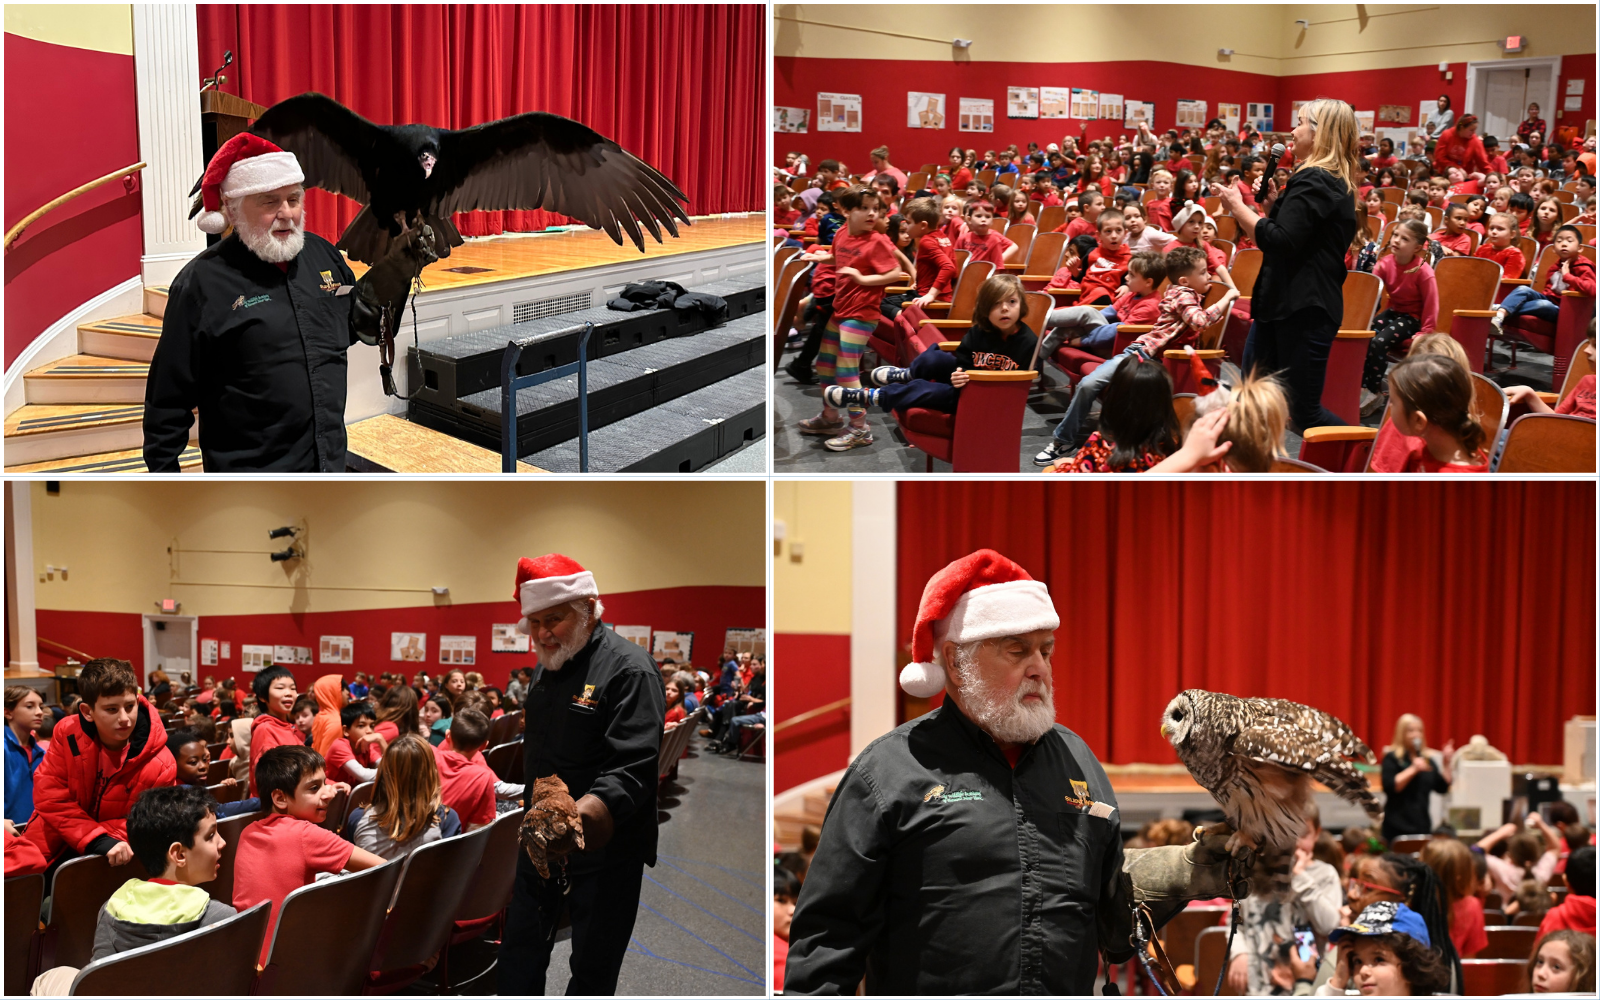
(808, 716)
(16, 230)
(62, 645)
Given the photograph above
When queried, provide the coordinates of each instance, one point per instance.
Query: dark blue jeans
(1296, 350)
(929, 386)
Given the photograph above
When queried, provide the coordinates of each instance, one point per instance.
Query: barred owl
(1257, 758)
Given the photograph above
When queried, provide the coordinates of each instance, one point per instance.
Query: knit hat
(548, 581)
(244, 165)
(1189, 208)
(979, 596)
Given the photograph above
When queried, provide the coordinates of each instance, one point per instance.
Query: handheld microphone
(1272, 168)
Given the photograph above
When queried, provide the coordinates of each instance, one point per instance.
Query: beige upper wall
(813, 595)
(113, 538)
(1264, 37)
(104, 27)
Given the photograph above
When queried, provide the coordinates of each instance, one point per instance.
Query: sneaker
(1498, 321)
(816, 425)
(801, 373)
(853, 437)
(1372, 402)
(1052, 451)
(838, 397)
(889, 374)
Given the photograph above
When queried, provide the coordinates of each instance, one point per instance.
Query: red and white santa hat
(246, 164)
(979, 596)
(548, 581)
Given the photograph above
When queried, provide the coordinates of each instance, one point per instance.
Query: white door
(170, 645)
(1507, 93)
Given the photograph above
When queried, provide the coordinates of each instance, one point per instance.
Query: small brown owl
(552, 829)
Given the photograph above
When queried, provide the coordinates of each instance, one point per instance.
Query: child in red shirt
(1108, 263)
(1158, 210)
(288, 849)
(1546, 220)
(936, 268)
(865, 263)
(1477, 206)
(982, 242)
(1095, 330)
(466, 784)
(1498, 246)
(784, 213)
(950, 210)
(1580, 402)
(1188, 223)
(1454, 237)
(1573, 273)
(353, 757)
(1090, 205)
(1431, 398)
(275, 692)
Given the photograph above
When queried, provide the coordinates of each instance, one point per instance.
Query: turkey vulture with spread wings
(407, 175)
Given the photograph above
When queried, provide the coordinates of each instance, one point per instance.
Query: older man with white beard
(255, 330)
(594, 714)
(977, 849)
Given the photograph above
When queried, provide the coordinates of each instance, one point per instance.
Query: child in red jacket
(274, 727)
(1108, 263)
(101, 759)
(465, 782)
(1094, 329)
(1575, 273)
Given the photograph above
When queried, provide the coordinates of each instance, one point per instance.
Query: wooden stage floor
(524, 255)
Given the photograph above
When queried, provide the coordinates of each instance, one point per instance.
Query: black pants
(1296, 349)
(1387, 330)
(816, 319)
(603, 905)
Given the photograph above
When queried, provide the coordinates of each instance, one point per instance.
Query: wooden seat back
(1245, 268)
(1530, 254)
(1227, 228)
(1549, 442)
(490, 890)
(1226, 246)
(1509, 942)
(225, 794)
(1464, 283)
(793, 289)
(1493, 977)
(360, 798)
(1361, 292)
(81, 887)
(965, 296)
(433, 883)
(1051, 218)
(1035, 309)
(1210, 954)
(1577, 368)
(334, 822)
(780, 257)
(24, 895)
(1393, 195)
(1044, 256)
(1493, 408)
(1021, 234)
(502, 758)
(230, 829)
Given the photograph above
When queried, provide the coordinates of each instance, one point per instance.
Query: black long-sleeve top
(943, 870)
(596, 724)
(1303, 243)
(1405, 810)
(260, 352)
(983, 349)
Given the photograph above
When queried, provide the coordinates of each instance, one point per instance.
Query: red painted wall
(817, 671)
(883, 84)
(71, 116)
(706, 611)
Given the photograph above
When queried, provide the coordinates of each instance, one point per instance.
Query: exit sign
(1513, 43)
(169, 606)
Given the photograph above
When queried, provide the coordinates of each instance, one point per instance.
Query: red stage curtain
(680, 86)
(1470, 604)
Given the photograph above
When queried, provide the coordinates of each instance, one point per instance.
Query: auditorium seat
(229, 948)
(1560, 338)
(985, 432)
(80, 888)
(349, 909)
(1246, 265)
(1409, 844)
(1549, 442)
(1509, 942)
(505, 728)
(793, 284)
(1527, 920)
(360, 798)
(225, 794)
(1179, 934)
(489, 893)
(432, 884)
(221, 887)
(1491, 977)
(503, 758)
(1494, 918)
(1466, 304)
(957, 313)
(1022, 235)
(1347, 358)
(1210, 955)
(24, 894)
(334, 821)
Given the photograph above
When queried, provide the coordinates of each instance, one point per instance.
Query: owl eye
(1177, 715)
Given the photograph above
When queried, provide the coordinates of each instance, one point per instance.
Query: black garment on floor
(670, 295)
(602, 905)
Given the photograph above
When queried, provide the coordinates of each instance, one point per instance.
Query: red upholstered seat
(1075, 362)
(935, 423)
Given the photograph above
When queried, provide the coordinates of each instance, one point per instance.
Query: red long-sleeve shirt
(1105, 273)
(935, 267)
(1412, 290)
(1510, 259)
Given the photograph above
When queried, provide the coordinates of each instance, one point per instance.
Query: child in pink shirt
(1413, 306)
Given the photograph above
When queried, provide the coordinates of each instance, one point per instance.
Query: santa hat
(246, 164)
(1182, 215)
(548, 581)
(979, 596)
(1205, 382)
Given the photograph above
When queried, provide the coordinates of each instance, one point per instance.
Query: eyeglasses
(1374, 887)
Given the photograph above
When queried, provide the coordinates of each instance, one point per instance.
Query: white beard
(554, 661)
(265, 245)
(1008, 720)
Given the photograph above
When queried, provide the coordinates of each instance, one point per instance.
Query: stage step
(84, 378)
(130, 338)
(683, 435)
(387, 443)
(131, 460)
(620, 385)
(155, 300)
(43, 432)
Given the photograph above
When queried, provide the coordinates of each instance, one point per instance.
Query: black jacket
(1405, 810)
(596, 723)
(942, 870)
(985, 350)
(1303, 243)
(261, 353)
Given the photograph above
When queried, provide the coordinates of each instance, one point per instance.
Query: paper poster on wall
(1401, 137)
(255, 658)
(408, 647)
(227, 650)
(790, 119)
(977, 115)
(285, 655)
(1191, 114)
(1260, 116)
(1573, 103)
(458, 650)
(924, 110)
(1365, 121)
(336, 649)
(1135, 112)
(747, 640)
(1022, 102)
(838, 112)
(675, 646)
(639, 635)
(208, 652)
(1054, 102)
(1575, 86)
(1085, 104)
(1400, 114)
(1425, 114)
(1110, 107)
(506, 639)
(1229, 113)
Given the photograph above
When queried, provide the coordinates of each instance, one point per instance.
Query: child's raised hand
(959, 378)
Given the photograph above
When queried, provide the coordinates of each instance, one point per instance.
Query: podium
(223, 116)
